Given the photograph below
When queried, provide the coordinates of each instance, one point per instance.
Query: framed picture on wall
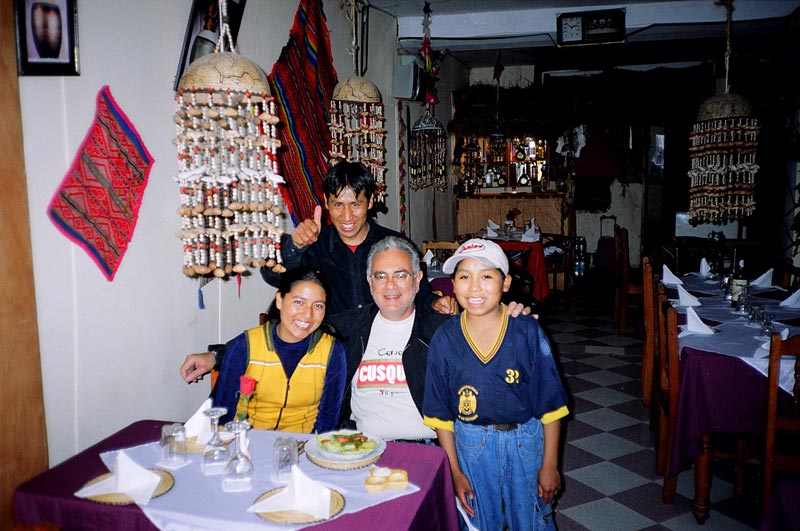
(202, 31)
(47, 37)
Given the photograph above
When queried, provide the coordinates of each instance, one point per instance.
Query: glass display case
(497, 164)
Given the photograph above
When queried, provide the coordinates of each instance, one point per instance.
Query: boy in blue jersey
(495, 398)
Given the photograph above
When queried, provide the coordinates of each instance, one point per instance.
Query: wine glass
(215, 454)
(767, 328)
(239, 473)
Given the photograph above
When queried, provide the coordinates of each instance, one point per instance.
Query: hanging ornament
(427, 154)
(427, 151)
(357, 120)
(230, 203)
(722, 149)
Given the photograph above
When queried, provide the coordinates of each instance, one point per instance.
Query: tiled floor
(609, 461)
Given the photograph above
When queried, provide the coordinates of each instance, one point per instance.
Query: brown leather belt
(504, 427)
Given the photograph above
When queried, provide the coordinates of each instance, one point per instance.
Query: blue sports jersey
(519, 381)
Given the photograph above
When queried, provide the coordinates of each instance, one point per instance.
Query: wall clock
(590, 27)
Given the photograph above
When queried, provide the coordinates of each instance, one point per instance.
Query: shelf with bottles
(497, 164)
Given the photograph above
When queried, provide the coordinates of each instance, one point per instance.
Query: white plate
(313, 449)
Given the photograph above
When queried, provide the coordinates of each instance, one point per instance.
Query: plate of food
(350, 448)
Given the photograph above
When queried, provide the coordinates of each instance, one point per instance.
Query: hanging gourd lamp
(356, 114)
(722, 150)
(231, 203)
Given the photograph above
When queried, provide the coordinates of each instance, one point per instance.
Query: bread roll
(375, 484)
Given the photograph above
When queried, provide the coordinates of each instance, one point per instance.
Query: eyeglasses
(399, 277)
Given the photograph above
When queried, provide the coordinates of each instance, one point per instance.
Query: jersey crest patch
(467, 403)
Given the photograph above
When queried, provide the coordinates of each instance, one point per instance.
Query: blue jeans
(503, 468)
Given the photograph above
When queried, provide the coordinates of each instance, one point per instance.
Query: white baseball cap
(486, 251)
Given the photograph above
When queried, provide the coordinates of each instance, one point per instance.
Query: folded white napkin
(764, 280)
(301, 494)
(686, 299)
(427, 258)
(695, 325)
(784, 336)
(705, 268)
(490, 233)
(668, 277)
(128, 478)
(199, 425)
(492, 225)
(531, 235)
(793, 301)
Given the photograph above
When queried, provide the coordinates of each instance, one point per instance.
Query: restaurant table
(723, 384)
(49, 496)
(536, 267)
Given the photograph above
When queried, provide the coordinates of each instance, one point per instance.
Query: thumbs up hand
(307, 231)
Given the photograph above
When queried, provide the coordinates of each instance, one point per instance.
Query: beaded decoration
(230, 201)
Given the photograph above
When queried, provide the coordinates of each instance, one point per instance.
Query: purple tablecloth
(719, 394)
(49, 496)
(784, 508)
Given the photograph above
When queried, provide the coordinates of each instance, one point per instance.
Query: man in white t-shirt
(387, 348)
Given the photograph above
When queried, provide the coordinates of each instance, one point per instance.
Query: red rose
(247, 385)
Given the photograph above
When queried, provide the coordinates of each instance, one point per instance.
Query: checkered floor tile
(609, 460)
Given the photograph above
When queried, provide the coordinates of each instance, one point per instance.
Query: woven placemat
(193, 448)
(342, 465)
(117, 498)
(297, 517)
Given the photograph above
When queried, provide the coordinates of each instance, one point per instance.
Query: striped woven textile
(302, 82)
(97, 204)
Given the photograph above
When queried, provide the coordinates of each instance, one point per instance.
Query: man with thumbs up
(340, 250)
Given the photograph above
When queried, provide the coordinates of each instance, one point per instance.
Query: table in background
(49, 496)
(536, 267)
(719, 391)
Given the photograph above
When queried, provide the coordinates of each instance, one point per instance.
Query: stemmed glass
(215, 454)
(238, 476)
(767, 328)
(756, 315)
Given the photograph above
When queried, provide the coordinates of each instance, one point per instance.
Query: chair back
(441, 249)
(790, 278)
(649, 283)
(668, 389)
(781, 421)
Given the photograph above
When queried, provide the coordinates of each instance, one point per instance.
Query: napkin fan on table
(695, 325)
(492, 225)
(764, 281)
(428, 257)
(686, 299)
(668, 277)
(302, 494)
(793, 301)
(128, 478)
(198, 424)
(705, 268)
(532, 234)
(490, 233)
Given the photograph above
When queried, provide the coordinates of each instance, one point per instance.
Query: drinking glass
(756, 315)
(239, 472)
(767, 328)
(215, 454)
(173, 446)
(284, 456)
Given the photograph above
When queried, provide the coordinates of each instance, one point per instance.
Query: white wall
(111, 350)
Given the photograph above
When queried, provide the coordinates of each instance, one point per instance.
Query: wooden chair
(779, 454)
(214, 374)
(442, 249)
(650, 283)
(790, 278)
(559, 264)
(628, 291)
(667, 393)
